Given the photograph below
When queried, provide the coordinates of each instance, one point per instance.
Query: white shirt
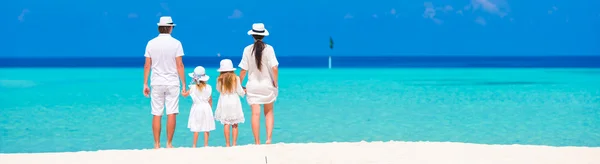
(163, 50)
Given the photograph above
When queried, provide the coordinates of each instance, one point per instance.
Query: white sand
(327, 153)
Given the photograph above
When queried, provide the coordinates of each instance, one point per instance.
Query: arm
(180, 67)
(275, 67)
(185, 93)
(239, 89)
(147, 67)
(275, 76)
(181, 71)
(243, 65)
(242, 75)
(210, 101)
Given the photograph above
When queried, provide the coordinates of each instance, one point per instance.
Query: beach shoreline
(334, 152)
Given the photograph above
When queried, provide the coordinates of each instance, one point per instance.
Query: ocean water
(322, 61)
(85, 109)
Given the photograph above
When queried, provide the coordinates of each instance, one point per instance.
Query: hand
(146, 91)
(275, 84)
(185, 93)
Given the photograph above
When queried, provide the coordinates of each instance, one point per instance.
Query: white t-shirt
(163, 50)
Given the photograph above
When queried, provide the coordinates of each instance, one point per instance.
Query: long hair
(257, 50)
(227, 81)
(200, 85)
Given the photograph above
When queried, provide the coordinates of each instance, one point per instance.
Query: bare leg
(156, 130)
(195, 139)
(256, 122)
(234, 128)
(171, 120)
(269, 121)
(206, 134)
(226, 131)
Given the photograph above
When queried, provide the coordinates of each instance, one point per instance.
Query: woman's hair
(228, 81)
(200, 85)
(258, 48)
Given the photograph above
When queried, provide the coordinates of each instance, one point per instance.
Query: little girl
(229, 107)
(201, 116)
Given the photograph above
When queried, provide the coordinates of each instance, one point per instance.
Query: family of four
(165, 67)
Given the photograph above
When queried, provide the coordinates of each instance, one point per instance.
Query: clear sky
(86, 28)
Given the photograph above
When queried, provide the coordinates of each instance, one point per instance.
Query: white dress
(201, 116)
(229, 108)
(260, 87)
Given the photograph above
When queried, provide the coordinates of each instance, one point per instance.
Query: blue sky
(70, 28)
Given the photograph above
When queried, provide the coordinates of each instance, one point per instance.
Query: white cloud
(132, 15)
(393, 11)
(236, 14)
(164, 6)
(445, 8)
(431, 12)
(496, 7)
(554, 8)
(459, 12)
(348, 16)
(480, 20)
(21, 16)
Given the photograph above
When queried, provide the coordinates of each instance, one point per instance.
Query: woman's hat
(226, 65)
(199, 74)
(165, 21)
(258, 29)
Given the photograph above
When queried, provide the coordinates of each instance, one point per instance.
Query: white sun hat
(165, 21)
(226, 65)
(199, 74)
(258, 29)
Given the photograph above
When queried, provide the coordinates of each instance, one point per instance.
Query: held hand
(185, 93)
(146, 91)
(275, 85)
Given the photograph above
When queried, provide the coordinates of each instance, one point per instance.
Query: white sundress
(229, 107)
(260, 86)
(201, 115)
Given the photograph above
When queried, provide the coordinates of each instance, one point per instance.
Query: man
(163, 56)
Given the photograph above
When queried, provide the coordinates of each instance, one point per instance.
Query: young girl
(201, 116)
(229, 107)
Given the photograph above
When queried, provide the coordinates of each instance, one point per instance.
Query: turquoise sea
(85, 109)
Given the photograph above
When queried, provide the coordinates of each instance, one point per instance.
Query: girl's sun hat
(258, 29)
(226, 65)
(199, 74)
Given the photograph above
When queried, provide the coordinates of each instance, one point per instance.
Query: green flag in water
(330, 43)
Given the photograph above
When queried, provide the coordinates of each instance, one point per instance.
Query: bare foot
(268, 142)
(193, 146)
(157, 146)
(169, 145)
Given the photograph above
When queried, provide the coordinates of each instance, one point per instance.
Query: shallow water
(56, 110)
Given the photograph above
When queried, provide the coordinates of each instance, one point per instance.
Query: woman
(260, 63)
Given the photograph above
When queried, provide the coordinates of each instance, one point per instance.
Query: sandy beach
(327, 153)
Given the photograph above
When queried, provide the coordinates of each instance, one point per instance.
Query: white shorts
(165, 96)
